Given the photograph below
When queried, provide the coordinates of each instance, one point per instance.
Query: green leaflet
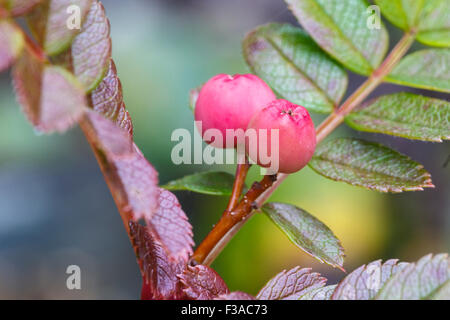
(340, 27)
(295, 67)
(369, 165)
(427, 69)
(307, 232)
(405, 115)
(213, 183)
(430, 18)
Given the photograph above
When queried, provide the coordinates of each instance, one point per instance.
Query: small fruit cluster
(245, 102)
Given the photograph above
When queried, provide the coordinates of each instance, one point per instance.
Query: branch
(229, 220)
(224, 231)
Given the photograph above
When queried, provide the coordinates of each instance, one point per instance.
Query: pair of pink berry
(247, 102)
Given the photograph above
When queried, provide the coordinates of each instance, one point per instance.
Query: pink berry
(296, 135)
(229, 102)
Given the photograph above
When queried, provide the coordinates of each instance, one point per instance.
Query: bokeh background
(55, 208)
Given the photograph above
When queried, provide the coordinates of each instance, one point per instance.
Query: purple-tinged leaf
(306, 232)
(365, 282)
(428, 278)
(19, 7)
(51, 98)
(159, 274)
(106, 135)
(11, 43)
(91, 48)
(442, 293)
(171, 226)
(237, 295)
(133, 183)
(291, 285)
(369, 165)
(323, 293)
(49, 23)
(202, 283)
(107, 99)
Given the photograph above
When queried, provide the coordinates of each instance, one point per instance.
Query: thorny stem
(227, 227)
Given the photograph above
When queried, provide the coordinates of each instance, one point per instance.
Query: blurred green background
(55, 208)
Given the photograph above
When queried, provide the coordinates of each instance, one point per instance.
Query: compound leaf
(369, 165)
(307, 232)
(405, 115)
(341, 29)
(295, 67)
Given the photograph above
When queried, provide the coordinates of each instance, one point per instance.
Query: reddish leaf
(20, 7)
(323, 293)
(428, 278)
(133, 183)
(237, 295)
(11, 43)
(291, 285)
(106, 135)
(171, 226)
(146, 291)
(202, 283)
(51, 98)
(107, 99)
(365, 282)
(91, 48)
(49, 23)
(160, 280)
